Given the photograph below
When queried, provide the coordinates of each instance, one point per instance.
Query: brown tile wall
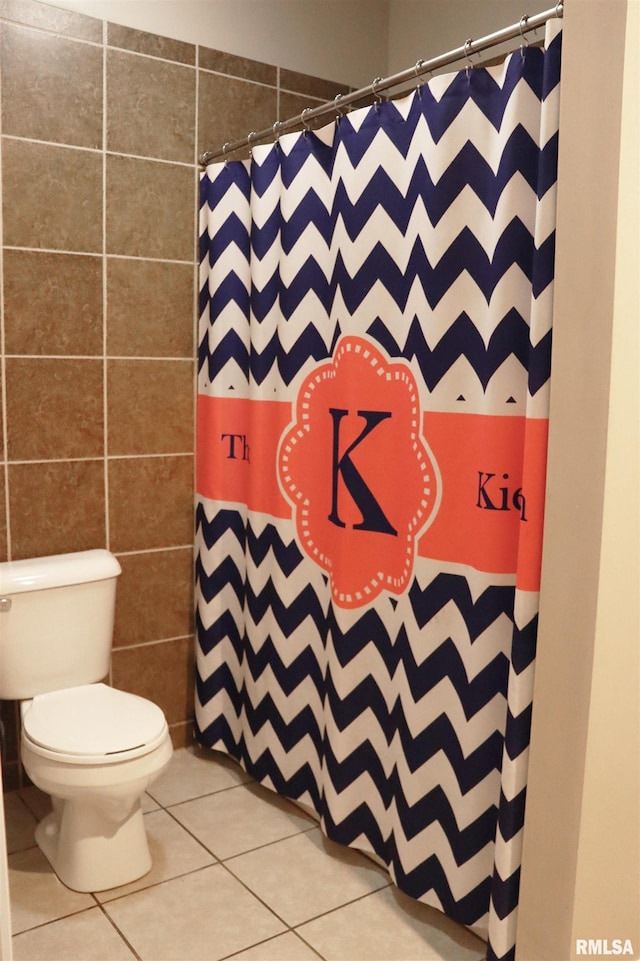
(101, 129)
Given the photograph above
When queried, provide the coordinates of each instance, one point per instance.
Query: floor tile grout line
(224, 861)
(315, 824)
(62, 917)
(315, 917)
(153, 885)
(230, 957)
(219, 860)
(196, 797)
(228, 867)
(259, 847)
(257, 897)
(195, 838)
(113, 924)
(104, 906)
(120, 934)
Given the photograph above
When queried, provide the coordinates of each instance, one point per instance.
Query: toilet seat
(92, 723)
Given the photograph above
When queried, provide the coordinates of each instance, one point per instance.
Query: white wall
(350, 41)
(610, 822)
(580, 877)
(341, 40)
(427, 28)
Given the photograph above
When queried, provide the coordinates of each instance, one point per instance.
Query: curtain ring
(375, 92)
(525, 43)
(467, 46)
(303, 121)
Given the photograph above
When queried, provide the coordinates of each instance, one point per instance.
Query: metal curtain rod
(525, 25)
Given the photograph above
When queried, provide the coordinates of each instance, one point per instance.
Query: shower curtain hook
(225, 147)
(416, 70)
(303, 121)
(276, 131)
(559, 9)
(525, 43)
(250, 137)
(467, 47)
(375, 92)
(339, 110)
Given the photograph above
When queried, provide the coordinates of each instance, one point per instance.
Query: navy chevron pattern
(510, 337)
(466, 253)
(422, 229)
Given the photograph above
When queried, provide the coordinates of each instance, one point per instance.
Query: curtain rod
(525, 25)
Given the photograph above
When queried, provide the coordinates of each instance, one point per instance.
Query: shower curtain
(374, 363)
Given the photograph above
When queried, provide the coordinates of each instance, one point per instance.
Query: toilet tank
(56, 621)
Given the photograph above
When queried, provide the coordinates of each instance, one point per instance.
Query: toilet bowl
(95, 750)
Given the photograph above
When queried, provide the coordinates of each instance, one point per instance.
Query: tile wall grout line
(175, 63)
(148, 56)
(54, 356)
(50, 31)
(133, 357)
(51, 250)
(97, 150)
(52, 143)
(271, 86)
(234, 76)
(104, 41)
(3, 377)
(153, 550)
(59, 460)
(188, 453)
(152, 160)
(195, 322)
(159, 640)
(154, 260)
(105, 412)
(96, 254)
(138, 358)
(98, 458)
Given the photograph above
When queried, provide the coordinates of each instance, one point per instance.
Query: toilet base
(91, 853)
(95, 838)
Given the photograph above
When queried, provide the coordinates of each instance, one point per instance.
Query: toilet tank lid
(57, 570)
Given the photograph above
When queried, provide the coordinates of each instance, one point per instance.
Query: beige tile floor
(238, 873)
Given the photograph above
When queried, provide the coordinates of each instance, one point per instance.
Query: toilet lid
(92, 720)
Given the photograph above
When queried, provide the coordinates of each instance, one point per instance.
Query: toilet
(93, 748)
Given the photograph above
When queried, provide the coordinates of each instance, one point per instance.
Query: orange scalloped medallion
(360, 477)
